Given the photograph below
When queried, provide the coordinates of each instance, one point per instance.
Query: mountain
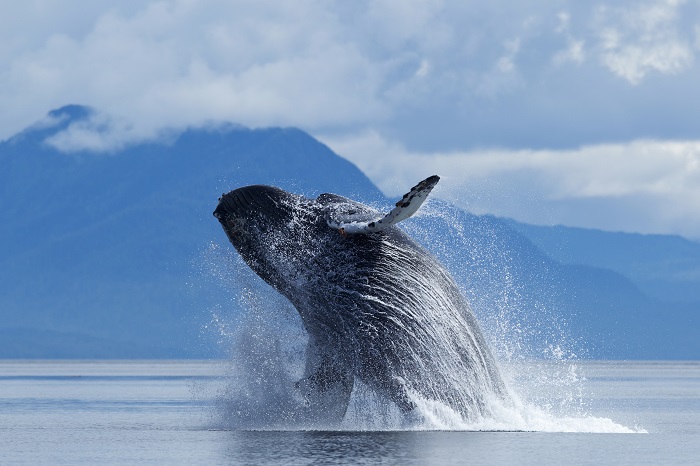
(97, 249)
(117, 254)
(666, 267)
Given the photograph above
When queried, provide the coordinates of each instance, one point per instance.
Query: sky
(550, 112)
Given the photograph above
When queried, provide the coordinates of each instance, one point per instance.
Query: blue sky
(581, 113)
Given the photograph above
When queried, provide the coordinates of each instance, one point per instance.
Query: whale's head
(270, 229)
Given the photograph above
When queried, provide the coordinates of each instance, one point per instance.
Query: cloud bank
(459, 84)
(430, 73)
(641, 186)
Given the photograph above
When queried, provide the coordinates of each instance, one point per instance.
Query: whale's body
(377, 307)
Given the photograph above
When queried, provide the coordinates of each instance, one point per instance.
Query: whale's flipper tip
(405, 207)
(432, 179)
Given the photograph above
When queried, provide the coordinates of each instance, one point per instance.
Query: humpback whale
(377, 307)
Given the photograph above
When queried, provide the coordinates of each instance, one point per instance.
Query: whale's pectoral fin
(407, 206)
(326, 386)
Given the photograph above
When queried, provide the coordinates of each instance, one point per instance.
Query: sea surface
(170, 412)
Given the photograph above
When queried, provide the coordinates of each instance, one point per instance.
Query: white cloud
(332, 65)
(645, 38)
(444, 79)
(564, 20)
(506, 63)
(99, 132)
(423, 69)
(574, 53)
(611, 183)
(183, 62)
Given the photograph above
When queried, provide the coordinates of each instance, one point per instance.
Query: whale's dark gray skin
(377, 307)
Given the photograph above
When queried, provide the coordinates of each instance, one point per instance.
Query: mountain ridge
(666, 266)
(100, 248)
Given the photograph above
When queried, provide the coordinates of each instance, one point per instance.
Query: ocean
(176, 412)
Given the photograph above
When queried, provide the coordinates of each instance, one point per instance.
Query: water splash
(268, 343)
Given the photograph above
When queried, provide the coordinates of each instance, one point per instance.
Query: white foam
(516, 416)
